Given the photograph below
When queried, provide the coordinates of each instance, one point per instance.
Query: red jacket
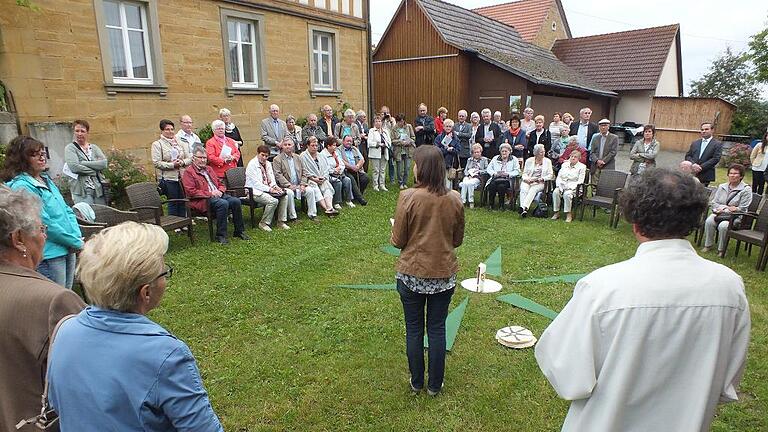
(213, 149)
(567, 154)
(439, 125)
(196, 187)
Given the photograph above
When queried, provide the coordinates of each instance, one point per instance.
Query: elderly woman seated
(537, 170)
(570, 176)
(474, 173)
(316, 170)
(731, 196)
(110, 364)
(260, 177)
(573, 144)
(502, 170)
(342, 185)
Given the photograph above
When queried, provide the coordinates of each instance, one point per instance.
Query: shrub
(122, 170)
(205, 133)
(738, 153)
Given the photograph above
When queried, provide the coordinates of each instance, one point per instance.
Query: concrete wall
(51, 61)
(668, 84)
(634, 106)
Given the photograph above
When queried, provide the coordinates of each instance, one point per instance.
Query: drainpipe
(369, 66)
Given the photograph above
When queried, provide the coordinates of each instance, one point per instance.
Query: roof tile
(526, 16)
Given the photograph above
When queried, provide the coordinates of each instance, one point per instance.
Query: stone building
(125, 64)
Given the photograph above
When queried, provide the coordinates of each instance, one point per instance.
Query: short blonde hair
(477, 146)
(539, 117)
(117, 261)
(224, 111)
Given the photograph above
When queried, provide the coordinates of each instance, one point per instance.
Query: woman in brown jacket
(429, 224)
(30, 307)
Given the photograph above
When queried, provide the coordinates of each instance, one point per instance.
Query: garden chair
(207, 214)
(604, 195)
(235, 182)
(112, 216)
(144, 199)
(698, 234)
(756, 233)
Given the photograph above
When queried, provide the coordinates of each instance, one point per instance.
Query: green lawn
(280, 348)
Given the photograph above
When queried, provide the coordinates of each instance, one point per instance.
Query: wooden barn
(444, 55)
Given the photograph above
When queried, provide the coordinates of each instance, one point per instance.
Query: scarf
(514, 132)
(229, 127)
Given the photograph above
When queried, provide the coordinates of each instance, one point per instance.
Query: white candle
(480, 277)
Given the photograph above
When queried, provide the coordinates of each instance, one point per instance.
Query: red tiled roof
(526, 16)
(630, 60)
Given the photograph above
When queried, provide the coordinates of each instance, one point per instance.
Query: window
(242, 33)
(242, 53)
(130, 46)
(324, 61)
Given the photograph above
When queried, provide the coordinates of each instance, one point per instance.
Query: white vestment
(649, 344)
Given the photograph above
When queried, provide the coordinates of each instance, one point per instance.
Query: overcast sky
(707, 26)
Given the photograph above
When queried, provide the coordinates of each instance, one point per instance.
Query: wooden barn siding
(414, 37)
(402, 86)
(677, 120)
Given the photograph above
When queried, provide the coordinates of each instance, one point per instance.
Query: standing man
(657, 341)
(584, 129)
(273, 130)
(187, 135)
(204, 189)
(488, 135)
(312, 130)
(705, 154)
(463, 131)
(424, 126)
(328, 122)
(604, 147)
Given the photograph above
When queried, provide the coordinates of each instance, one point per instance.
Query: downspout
(371, 112)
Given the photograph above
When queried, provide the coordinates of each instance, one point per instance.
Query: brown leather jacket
(427, 230)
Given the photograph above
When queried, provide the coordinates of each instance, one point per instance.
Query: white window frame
(124, 31)
(155, 82)
(331, 88)
(235, 84)
(239, 81)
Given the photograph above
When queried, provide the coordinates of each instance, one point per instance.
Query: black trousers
(497, 186)
(758, 181)
(358, 187)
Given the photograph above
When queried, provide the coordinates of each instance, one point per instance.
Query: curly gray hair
(19, 211)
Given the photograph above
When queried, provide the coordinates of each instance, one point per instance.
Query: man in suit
(584, 129)
(328, 122)
(704, 155)
(604, 147)
(290, 176)
(424, 126)
(488, 135)
(463, 131)
(273, 130)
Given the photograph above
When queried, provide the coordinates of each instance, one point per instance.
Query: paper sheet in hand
(489, 133)
(226, 151)
(447, 140)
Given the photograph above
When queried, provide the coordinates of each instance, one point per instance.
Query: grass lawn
(280, 348)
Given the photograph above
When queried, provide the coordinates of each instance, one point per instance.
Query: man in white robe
(653, 343)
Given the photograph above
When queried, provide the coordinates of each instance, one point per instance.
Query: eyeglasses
(39, 154)
(44, 229)
(201, 157)
(168, 273)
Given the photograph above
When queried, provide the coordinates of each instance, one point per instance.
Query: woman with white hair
(293, 132)
(537, 170)
(570, 176)
(231, 131)
(348, 126)
(110, 364)
(502, 170)
(474, 173)
(222, 151)
(474, 119)
(527, 123)
(379, 144)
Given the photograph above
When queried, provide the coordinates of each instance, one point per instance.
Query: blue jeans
(60, 270)
(403, 169)
(437, 311)
(221, 207)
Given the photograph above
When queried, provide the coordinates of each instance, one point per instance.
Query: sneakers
(337, 206)
(402, 187)
(376, 188)
(471, 205)
(350, 204)
(414, 390)
(265, 227)
(383, 188)
(434, 393)
(283, 226)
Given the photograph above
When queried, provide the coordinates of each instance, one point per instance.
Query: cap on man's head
(604, 121)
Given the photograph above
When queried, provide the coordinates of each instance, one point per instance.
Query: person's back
(656, 341)
(664, 323)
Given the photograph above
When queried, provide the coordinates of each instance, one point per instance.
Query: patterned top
(427, 285)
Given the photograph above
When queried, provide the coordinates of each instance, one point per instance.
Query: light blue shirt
(294, 176)
(582, 135)
(704, 143)
(114, 370)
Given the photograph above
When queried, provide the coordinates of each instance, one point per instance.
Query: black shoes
(222, 240)
(362, 201)
(242, 236)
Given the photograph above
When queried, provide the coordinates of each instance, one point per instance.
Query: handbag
(47, 416)
(453, 172)
(725, 217)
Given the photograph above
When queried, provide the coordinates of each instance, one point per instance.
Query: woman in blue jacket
(111, 367)
(449, 146)
(24, 168)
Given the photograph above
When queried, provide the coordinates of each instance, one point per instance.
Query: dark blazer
(489, 149)
(545, 138)
(708, 161)
(324, 126)
(610, 150)
(592, 129)
(520, 139)
(448, 156)
(426, 135)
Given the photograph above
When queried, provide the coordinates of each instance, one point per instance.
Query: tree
(733, 77)
(758, 54)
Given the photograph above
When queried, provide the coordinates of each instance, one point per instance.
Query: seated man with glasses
(203, 189)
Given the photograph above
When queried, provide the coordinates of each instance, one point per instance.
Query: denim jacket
(113, 370)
